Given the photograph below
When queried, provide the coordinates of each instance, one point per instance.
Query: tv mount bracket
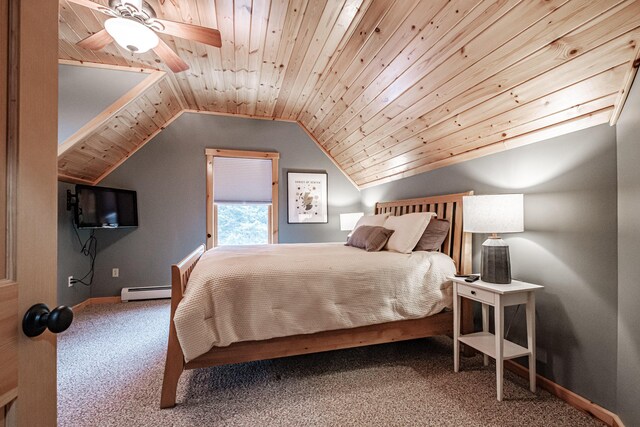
(72, 200)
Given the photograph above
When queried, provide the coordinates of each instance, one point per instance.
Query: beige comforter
(244, 293)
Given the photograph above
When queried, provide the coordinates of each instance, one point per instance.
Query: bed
(248, 327)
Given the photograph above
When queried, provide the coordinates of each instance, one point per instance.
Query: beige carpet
(110, 365)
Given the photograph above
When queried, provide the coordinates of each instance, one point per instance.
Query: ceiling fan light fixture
(131, 35)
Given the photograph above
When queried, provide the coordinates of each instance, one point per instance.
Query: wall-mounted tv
(102, 207)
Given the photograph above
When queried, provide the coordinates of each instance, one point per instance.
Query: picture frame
(307, 198)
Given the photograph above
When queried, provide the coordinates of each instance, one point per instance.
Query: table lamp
(348, 221)
(493, 214)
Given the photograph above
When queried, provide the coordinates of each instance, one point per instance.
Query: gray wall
(85, 92)
(70, 261)
(628, 137)
(169, 176)
(569, 246)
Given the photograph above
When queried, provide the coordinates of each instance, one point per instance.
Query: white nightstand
(497, 296)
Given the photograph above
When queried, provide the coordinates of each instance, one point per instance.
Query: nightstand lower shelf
(485, 342)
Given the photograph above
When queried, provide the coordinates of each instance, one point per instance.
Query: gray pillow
(370, 238)
(433, 236)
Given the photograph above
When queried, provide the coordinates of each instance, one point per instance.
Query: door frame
(31, 249)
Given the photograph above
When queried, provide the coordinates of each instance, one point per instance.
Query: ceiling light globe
(131, 35)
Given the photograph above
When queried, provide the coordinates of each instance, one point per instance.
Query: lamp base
(496, 265)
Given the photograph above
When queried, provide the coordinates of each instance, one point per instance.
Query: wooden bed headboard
(457, 244)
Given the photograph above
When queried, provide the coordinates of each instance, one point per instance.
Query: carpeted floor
(110, 365)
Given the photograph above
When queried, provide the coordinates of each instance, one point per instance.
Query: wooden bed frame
(457, 245)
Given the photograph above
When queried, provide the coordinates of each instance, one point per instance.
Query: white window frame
(212, 208)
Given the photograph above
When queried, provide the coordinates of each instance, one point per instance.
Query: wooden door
(28, 147)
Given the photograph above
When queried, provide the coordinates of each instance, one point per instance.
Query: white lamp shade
(349, 220)
(131, 35)
(500, 213)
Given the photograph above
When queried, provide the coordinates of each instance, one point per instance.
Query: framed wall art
(307, 198)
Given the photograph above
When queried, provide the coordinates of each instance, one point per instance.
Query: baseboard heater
(141, 293)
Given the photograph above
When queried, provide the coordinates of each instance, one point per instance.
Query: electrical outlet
(70, 281)
(115, 272)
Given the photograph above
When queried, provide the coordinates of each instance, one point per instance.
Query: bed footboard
(175, 358)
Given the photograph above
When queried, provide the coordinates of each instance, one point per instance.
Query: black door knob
(38, 318)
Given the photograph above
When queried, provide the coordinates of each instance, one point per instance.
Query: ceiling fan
(133, 25)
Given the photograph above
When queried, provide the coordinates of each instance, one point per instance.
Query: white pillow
(373, 220)
(408, 229)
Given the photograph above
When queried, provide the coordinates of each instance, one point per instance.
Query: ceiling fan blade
(196, 33)
(90, 5)
(173, 61)
(96, 41)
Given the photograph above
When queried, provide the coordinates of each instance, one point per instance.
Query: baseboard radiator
(142, 293)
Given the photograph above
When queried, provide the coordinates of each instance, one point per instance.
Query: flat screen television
(102, 207)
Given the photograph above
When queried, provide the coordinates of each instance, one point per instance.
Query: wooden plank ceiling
(388, 89)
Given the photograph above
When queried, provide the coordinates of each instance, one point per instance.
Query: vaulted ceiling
(386, 88)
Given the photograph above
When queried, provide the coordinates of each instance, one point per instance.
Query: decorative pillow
(374, 220)
(370, 238)
(408, 230)
(433, 236)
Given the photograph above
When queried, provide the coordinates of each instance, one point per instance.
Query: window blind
(238, 180)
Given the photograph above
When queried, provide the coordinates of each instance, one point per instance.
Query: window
(242, 197)
(242, 224)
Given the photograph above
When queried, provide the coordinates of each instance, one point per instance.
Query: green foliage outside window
(240, 224)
